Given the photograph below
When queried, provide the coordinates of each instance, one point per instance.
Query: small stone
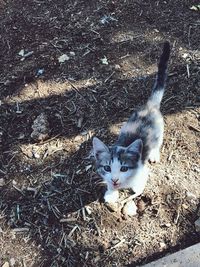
(129, 209)
(36, 155)
(114, 242)
(185, 55)
(72, 53)
(63, 58)
(141, 205)
(162, 245)
(14, 182)
(21, 53)
(40, 72)
(117, 67)
(6, 264)
(88, 210)
(2, 182)
(185, 206)
(78, 138)
(21, 136)
(80, 122)
(40, 128)
(197, 225)
(104, 60)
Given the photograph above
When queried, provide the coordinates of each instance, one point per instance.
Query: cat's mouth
(116, 185)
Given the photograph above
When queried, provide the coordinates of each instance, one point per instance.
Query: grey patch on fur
(149, 128)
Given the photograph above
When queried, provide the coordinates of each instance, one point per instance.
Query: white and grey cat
(122, 165)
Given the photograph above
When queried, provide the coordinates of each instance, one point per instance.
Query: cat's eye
(107, 168)
(124, 169)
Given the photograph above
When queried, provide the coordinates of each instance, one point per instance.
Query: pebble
(162, 245)
(63, 58)
(72, 53)
(166, 225)
(2, 182)
(117, 67)
(141, 205)
(185, 206)
(40, 128)
(130, 209)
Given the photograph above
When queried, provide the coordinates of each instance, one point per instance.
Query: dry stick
(194, 128)
(82, 208)
(62, 238)
(76, 89)
(109, 76)
(18, 230)
(97, 227)
(188, 71)
(172, 97)
(177, 216)
(19, 190)
(72, 231)
(118, 244)
(49, 140)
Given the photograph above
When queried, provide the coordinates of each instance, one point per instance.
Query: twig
(82, 208)
(19, 190)
(75, 89)
(49, 140)
(109, 76)
(72, 231)
(177, 216)
(118, 244)
(18, 230)
(194, 128)
(188, 71)
(97, 227)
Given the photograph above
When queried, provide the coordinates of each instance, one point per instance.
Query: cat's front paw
(154, 156)
(111, 196)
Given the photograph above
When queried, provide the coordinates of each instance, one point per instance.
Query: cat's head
(117, 164)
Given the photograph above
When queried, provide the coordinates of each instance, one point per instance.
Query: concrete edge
(188, 257)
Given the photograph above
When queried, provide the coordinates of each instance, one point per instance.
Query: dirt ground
(51, 209)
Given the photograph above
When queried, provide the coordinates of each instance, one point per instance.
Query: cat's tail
(159, 86)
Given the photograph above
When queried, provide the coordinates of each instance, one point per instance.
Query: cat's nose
(115, 180)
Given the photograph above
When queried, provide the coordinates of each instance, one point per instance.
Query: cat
(123, 165)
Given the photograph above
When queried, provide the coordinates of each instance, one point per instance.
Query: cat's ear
(99, 147)
(135, 147)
